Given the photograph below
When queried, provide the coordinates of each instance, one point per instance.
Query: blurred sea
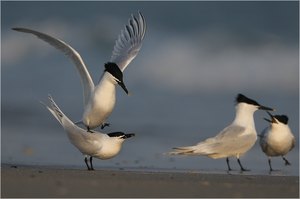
(194, 61)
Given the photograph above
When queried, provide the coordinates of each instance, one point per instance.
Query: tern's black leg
(104, 125)
(271, 169)
(286, 161)
(242, 168)
(227, 161)
(86, 162)
(91, 162)
(89, 130)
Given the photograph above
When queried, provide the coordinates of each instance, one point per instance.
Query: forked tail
(188, 150)
(55, 110)
(206, 147)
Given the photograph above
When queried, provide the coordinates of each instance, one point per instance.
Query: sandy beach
(29, 181)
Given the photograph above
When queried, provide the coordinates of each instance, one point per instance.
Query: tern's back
(232, 141)
(86, 143)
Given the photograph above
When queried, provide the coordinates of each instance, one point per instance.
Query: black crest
(116, 134)
(282, 118)
(242, 98)
(121, 135)
(114, 70)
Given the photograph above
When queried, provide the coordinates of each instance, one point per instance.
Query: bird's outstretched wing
(87, 82)
(129, 42)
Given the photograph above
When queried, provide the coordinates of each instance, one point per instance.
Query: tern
(97, 144)
(234, 140)
(277, 139)
(99, 100)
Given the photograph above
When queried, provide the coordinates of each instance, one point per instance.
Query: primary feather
(129, 42)
(87, 82)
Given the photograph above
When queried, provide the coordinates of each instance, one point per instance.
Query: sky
(226, 41)
(196, 57)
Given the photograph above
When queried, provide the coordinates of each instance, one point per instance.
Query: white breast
(101, 103)
(110, 148)
(278, 140)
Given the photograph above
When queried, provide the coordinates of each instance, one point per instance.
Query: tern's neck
(107, 78)
(244, 115)
(280, 128)
(107, 83)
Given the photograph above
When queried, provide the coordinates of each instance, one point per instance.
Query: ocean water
(183, 82)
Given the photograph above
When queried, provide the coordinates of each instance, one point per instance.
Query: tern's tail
(56, 112)
(187, 150)
(207, 147)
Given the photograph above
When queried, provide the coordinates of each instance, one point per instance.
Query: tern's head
(120, 136)
(277, 119)
(117, 74)
(244, 101)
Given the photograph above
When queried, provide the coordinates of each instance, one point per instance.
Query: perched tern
(98, 145)
(234, 140)
(99, 100)
(277, 139)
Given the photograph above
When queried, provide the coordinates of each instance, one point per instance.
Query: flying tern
(99, 100)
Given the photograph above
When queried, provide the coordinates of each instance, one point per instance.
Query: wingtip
(50, 97)
(140, 14)
(42, 103)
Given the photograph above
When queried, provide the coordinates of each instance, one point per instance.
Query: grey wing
(229, 141)
(263, 139)
(226, 142)
(129, 42)
(231, 132)
(264, 132)
(87, 82)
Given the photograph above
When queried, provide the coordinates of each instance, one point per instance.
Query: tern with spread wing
(99, 100)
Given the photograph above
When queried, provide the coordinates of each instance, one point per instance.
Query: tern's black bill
(272, 120)
(129, 135)
(277, 118)
(266, 108)
(123, 86)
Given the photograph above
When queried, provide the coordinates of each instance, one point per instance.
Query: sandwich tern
(277, 139)
(99, 100)
(234, 140)
(98, 145)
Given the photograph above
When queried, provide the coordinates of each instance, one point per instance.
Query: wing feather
(129, 42)
(86, 80)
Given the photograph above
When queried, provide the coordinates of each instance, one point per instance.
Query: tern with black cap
(234, 140)
(99, 100)
(97, 144)
(277, 139)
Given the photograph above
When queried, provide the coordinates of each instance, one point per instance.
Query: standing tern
(99, 100)
(98, 145)
(277, 139)
(234, 140)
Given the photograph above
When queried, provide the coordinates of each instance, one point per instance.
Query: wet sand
(25, 181)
